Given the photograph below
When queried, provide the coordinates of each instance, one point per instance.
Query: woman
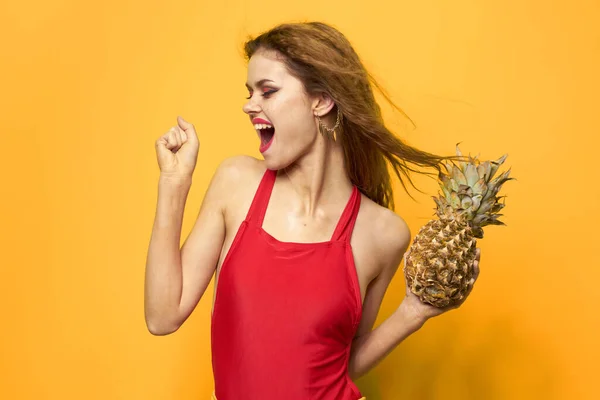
(304, 243)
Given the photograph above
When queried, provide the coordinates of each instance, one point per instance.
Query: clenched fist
(177, 150)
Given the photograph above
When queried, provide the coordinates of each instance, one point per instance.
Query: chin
(276, 162)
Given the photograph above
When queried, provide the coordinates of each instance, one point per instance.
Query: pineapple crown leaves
(468, 190)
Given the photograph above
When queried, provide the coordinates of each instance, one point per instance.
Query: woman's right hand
(177, 150)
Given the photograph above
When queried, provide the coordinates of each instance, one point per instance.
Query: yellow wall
(87, 89)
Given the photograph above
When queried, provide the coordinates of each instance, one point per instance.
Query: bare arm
(176, 279)
(371, 346)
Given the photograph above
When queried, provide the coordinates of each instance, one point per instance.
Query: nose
(251, 107)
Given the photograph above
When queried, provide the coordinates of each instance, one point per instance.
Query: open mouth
(266, 135)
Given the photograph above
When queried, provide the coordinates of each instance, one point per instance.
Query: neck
(318, 179)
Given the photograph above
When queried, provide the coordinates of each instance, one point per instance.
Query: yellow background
(87, 88)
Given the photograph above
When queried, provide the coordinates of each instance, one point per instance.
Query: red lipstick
(265, 141)
(260, 121)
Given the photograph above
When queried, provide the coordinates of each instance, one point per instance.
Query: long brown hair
(323, 59)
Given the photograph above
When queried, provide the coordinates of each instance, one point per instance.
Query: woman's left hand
(422, 311)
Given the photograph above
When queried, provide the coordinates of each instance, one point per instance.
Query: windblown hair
(324, 61)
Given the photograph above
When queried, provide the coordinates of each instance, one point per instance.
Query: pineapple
(439, 263)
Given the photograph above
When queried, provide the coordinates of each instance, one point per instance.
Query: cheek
(295, 117)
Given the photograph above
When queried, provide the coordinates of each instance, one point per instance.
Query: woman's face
(279, 98)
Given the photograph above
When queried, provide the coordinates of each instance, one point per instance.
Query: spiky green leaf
(471, 175)
(479, 186)
(454, 200)
(484, 170)
(476, 202)
(454, 185)
(496, 164)
(458, 176)
(466, 203)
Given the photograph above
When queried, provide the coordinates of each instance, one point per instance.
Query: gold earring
(331, 131)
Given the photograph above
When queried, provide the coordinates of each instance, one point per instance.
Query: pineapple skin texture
(440, 262)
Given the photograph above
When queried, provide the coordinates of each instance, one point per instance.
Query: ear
(322, 104)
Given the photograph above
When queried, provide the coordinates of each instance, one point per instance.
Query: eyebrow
(259, 83)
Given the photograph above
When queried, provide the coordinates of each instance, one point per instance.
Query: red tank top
(285, 313)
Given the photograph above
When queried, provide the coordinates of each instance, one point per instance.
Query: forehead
(266, 65)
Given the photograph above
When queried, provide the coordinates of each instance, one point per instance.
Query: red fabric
(285, 313)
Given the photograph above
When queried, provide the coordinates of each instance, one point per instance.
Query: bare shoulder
(382, 239)
(396, 233)
(237, 178)
(390, 234)
(234, 172)
(235, 169)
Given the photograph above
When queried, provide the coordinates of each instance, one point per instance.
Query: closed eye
(265, 94)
